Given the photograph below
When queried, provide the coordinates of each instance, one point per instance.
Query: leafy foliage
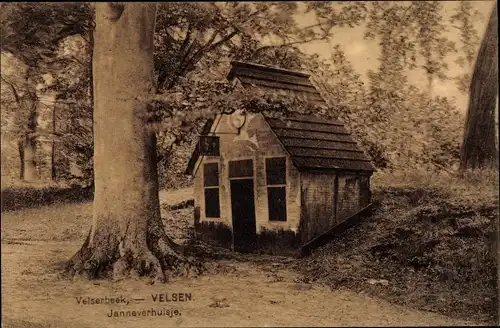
(385, 115)
(18, 96)
(465, 16)
(32, 32)
(195, 42)
(411, 35)
(189, 33)
(74, 109)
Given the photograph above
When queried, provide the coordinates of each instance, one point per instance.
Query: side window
(276, 188)
(211, 189)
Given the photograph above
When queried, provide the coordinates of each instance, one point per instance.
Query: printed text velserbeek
(102, 300)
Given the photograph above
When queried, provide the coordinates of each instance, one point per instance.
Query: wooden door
(243, 215)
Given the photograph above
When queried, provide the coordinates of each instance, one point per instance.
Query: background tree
(433, 45)
(189, 38)
(479, 148)
(19, 114)
(32, 33)
(73, 110)
(390, 106)
(197, 41)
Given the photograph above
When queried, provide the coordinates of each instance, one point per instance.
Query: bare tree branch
(13, 88)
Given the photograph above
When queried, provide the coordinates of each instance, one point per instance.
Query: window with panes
(276, 188)
(211, 188)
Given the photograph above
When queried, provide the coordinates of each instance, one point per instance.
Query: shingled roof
(265, 77)
(312, 142)
(317, 143)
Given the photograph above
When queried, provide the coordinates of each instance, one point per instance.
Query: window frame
(233, 161)
(281, 186)
(211, 187)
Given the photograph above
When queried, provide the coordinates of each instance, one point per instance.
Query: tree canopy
(194, 43)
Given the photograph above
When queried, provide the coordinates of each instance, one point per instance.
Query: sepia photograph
(249, 164)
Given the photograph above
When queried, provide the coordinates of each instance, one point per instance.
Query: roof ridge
(334, 157)
(247, 76)
(270, 68)
(327, 121)
(303, 118)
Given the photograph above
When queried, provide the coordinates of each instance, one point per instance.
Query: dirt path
(243, 294)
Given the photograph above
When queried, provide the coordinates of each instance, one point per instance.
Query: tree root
(173, 258)
(158, 261)
(144, 264)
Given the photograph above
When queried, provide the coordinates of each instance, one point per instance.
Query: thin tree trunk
(53, 152)
(430, 88)
(127, 234)
(479, 146)
(29, 151)
(29, 144)
(20, 145)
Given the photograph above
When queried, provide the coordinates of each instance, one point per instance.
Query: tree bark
(29, 162)
(28, 143)
(20, 146)
(127, 235)
(430, 88)
(53, 172)
(91, 76)
(479, 146)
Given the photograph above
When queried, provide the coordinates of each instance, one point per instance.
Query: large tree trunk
(479, 146)
(127, 235)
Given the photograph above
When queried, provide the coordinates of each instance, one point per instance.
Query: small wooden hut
(276, 185)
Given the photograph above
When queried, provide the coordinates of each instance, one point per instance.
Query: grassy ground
(429, 245)
(241, 290)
